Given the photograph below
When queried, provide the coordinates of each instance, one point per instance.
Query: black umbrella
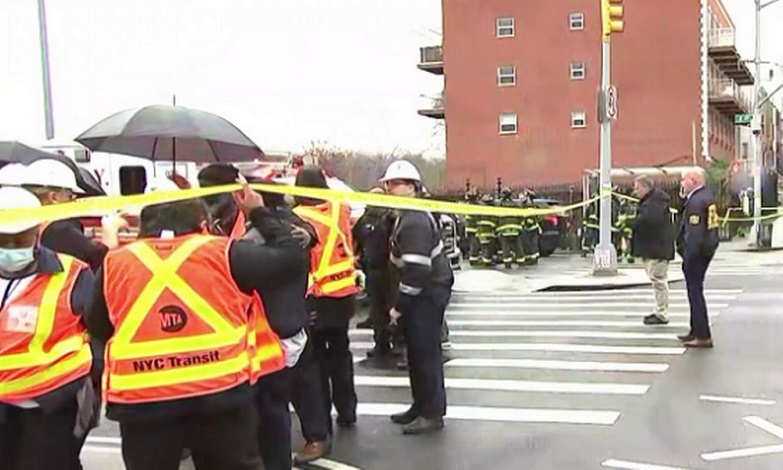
(170, 133)
(17, 152)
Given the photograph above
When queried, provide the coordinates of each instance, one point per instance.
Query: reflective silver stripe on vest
(437, 250)
(409, 290)
(417, 259)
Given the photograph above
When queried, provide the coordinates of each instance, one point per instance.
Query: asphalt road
(574, 381)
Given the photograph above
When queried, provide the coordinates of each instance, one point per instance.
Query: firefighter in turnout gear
(590, 228)
(509, 230)
(626, 215)
(485, 234)
(471, 229)
(530, 233)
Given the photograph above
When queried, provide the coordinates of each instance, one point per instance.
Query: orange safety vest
(331, 261)
(239, 227)
(43, 345)
(181, 323)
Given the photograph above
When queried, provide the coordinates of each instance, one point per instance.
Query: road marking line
(331, 465)
(559, 365)
(583, 298)
(571, 313)
(557, 347)
(511, 385)
(749, 452)
(548, 334)
(762, 423)
(101, 450)
(626, 465)
(103, 440)
(555, 306)
(517, 415)
(748, 401)
(606, 323)
(618, 291)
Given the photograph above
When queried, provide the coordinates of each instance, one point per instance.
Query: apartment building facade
(521, 78)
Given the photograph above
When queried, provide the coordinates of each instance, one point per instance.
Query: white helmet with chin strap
(401, 170)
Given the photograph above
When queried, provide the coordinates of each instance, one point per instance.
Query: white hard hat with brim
(47, 173)
(17, 198)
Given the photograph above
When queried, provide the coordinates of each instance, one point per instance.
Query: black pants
(333, 354)
(512, 249)
(224, 440)
(695, 269)
(379, 291)
(422, 327)
(273, 394)
(307, 396)
(33, 440)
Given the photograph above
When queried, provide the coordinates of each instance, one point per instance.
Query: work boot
(686, 338)
(653, 319)
(405, 417)
(705, 343)
(311, 451)
(422, 425)
(347, 421)
(379, 351)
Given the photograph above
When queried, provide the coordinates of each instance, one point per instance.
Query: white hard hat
(401, 170)
(45, 172)
(12, 197)
(161, 183)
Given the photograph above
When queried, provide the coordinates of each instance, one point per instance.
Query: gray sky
(286, 72)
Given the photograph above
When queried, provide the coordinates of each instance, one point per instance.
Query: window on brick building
(507, 75)
(578, 119)
(576, 21)
(577, 70)
(505, 27)
(508, 123)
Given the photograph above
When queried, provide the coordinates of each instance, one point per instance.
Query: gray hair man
(653, 241)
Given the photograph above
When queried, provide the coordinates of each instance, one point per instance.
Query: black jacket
(67, 236)
(285, 303)
(698, 230)
(372, 235)
(417, 251)
(653, 228)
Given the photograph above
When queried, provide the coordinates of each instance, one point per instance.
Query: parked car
(554, 228)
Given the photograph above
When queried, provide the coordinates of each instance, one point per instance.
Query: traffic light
(612, 17)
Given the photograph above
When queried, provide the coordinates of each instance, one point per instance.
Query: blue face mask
(16, 259)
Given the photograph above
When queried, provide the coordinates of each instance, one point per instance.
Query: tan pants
(657, 271)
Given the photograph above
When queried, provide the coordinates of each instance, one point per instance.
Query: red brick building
(521, 78)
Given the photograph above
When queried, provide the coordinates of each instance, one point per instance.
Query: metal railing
(727, 88)
(722, 37)
(431, 55)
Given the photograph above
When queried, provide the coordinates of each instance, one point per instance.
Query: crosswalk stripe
(567, 313)
(512, 385)
(559, 365)
(538, 323)
(585, 298)
(620, 292)
(557, 347)
(582, 306)
(548, 334)
(518, 415)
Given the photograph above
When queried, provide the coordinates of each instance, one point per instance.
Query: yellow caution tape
(103, 205)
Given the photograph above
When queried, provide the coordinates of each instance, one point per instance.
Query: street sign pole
(47, 84)
(605, 259)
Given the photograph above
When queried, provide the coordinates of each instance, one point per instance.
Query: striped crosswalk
(561, 358)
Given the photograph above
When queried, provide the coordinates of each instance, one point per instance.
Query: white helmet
(45, 172)
(160, 183)
(401, 170)
(12, 197)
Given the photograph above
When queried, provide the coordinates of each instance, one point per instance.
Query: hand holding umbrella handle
(246, 198)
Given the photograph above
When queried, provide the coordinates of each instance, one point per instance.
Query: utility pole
(758, 164)
(605, 258)
(47, 84)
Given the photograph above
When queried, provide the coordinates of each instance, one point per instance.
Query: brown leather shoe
(698, 343)
(312, 451)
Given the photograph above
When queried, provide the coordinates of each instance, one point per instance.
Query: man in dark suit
(697, 242)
